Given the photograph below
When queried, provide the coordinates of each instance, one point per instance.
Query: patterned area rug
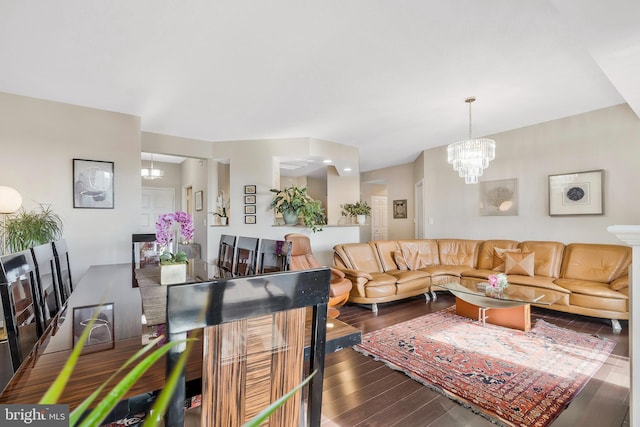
(511, 377)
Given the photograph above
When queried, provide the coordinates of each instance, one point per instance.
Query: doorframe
(419, 217)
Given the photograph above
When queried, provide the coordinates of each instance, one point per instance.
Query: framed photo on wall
(400, 208)
(92, 184)
(101, 334)
(198, 200)
(577, 193)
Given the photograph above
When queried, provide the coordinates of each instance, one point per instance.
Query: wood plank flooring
(359, 391)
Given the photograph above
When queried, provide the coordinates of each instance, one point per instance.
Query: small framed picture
(92, 184)
(577, 193)
(249, 189)
(400, 208)
(249, 219)
(250, 209)
(249, 200)
(198, 200)
(101, 334)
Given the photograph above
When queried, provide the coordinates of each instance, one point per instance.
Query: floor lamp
(10, 201)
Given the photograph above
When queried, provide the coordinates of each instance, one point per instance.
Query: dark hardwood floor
(359, 391)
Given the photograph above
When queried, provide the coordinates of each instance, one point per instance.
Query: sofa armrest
(355, 274)
(620, 283)
(336, 274)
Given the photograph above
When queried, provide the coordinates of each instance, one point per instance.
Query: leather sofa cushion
(445, 270)
(403, 276)
(487, 250)
(548, 258)
(595, 262)
(386, 250)
(538, 282)
(519, 263)
(586, 287)
(419, 253)
(498, 258)
(458, 252)
(479, 274)
(362, 256)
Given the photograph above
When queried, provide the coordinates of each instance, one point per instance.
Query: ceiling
(388, 77)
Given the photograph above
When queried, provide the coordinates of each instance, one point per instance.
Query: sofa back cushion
(386, 250)
(595, 262)
(419, 253)
(362, 256)
(486, 253)
(458, 252)
(548, 256)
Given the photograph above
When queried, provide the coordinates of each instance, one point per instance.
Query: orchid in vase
(497, 284)
(169, 227)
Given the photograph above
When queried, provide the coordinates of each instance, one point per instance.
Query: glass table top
(510, 297)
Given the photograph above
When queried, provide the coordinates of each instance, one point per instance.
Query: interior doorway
(379, 218)
(155, 201)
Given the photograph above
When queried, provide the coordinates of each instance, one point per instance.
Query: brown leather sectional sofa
(582, 278)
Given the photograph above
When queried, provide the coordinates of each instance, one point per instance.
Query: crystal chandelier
(471, 156)
(151, 173)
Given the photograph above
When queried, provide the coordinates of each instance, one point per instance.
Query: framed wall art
(400, 208)
(250, 200)
(249, 189)
(92, 184)
(249, 219)
(499, 197)
(250, 209)
(577, 193)
(198, 200)
(101, 335)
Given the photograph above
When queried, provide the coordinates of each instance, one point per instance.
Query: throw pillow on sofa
(522, 263)
(498, 257)
(400, 261)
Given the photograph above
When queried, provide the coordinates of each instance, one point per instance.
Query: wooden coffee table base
(510, 317)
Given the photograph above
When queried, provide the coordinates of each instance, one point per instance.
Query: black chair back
(63, 266)
(50, 290)
(246, 257)
(273, 255)
(263, 301)
(18, 291)
(226, 252)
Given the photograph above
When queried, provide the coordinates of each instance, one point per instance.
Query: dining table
(112, 284)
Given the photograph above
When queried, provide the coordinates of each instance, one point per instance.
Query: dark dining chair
(246, 258)
(254, 327)
(63, 266)
(18, 291)
(226, 252)
(273, 255)
(47, 279)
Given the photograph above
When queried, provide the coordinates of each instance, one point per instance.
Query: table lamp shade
(10, 200)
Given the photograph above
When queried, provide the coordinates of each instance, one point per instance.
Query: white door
(379, 218)
(420, 228)
(155, 201)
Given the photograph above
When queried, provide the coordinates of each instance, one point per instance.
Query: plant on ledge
(355, 209)
(168, 227)
(293, 202)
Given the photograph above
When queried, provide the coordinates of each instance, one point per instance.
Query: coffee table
(512, 309)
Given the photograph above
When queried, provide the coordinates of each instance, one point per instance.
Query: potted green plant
(24, 230)
(359, 209)
(294, 202)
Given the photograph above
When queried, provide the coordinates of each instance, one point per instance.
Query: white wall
(606, 139)
(39, 141)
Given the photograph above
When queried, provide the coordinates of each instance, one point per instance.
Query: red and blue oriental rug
(511, 377)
